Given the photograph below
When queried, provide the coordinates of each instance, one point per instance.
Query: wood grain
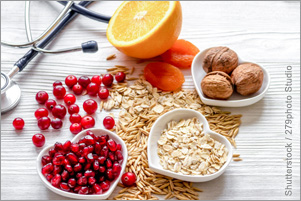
(264, 32)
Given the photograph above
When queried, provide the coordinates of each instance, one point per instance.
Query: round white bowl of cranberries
(87, 167)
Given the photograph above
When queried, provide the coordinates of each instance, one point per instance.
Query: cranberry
(73, 109)
(50, 103)
(69, 99)
(118, 146)
(97, 189)
(110, 175)
(65, 175)
(18, 123)
(42, 97)
(103, 93)
(82, 181)
(107, 80)
(56, 180)
(72, 158)
(116, 168)
(56, 83)
(128, 179)
(74, 148)
(77, 89)
(71, 182)
(92, 89)
(41, 112)
(70, 81)
(120, 76)
(59, 111)
(108, 122)
(56, 123)
(83, 190)
(75, 128)
(87, 122)
(96, 79)
(48, 168)
(90, 106)
(75, 118)
(105, 185)
(119, 155)
(59, 92)
(46, 159)
(84, 81)
(64, 186)
(44, 123)
(58, 160)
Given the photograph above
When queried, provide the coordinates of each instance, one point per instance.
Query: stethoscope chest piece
(10, 93)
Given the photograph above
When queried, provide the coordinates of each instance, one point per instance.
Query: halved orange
(145, 29)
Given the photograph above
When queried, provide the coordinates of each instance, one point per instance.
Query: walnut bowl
(155, 133)
(236, 100)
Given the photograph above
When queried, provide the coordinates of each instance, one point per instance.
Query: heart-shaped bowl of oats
(182, 146)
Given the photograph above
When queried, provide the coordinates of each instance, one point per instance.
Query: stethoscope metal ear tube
(10, 92)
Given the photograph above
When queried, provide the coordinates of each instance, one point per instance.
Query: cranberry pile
(85, 167)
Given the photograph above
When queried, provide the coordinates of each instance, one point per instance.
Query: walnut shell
(220, 59)
(247, 78)
(217, 85)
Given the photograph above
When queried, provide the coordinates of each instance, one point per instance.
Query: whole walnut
(220, 59)
(217, 85)
(247, 78)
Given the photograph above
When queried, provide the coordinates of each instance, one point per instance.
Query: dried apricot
(180, 54)
(164, 76)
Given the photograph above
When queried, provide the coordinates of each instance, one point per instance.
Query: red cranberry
(65, 175)
(56, 123)
(90, 106)
(59, 91)
(70, 81)
(101, 160)
(18, 123)
(73, 109)
(110, 175)
(64, 186)
(45, 160)
(128, 179)
(69, 99)
(119, 147)
(77, 89)
(119, 155)
(92, 89)
(48, 168)
(103, 93)
(44, 123)
(56, 83)
(48, 177)
(96, 79)
(108, 122)
(116, 168)
(120, 76)
(74, 148)
(77, 167)
(59, 111)
(83, 190)
(50, 103)
(56, 180)
(75, 118)
(42, 97)
(72, 158)
(87, 122)
(109, 163)
(105, 185)
(75, 128)
(58, 160)
(107, 80)
(112, 145)
(41, 112)
(71, 182)
(82, 181)
(97, 189)
(67, 145)
(58, 147)
(84, 81)
(104, 151)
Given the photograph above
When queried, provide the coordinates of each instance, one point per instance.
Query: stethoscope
(10, 91)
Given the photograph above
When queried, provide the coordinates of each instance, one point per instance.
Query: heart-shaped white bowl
(155, 133)
(114, 183)
(236, 100)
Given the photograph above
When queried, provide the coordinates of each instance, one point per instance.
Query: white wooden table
(264, 32)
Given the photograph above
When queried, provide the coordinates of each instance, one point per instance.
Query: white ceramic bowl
(154, 136)
(236, 100)
(103, 196)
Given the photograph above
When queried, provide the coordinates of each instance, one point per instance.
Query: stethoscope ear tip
(90, 46)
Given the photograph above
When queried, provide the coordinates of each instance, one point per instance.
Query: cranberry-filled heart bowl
(87, 167)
